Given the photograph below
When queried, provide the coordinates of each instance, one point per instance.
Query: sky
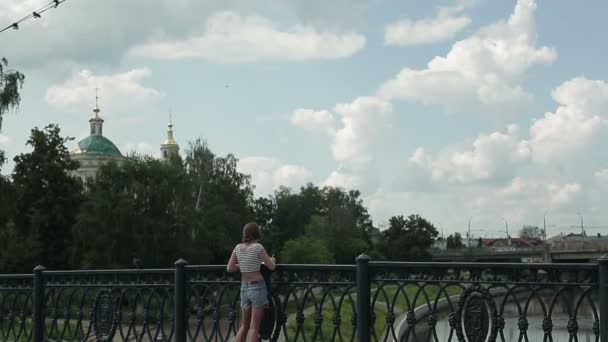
(493, 112)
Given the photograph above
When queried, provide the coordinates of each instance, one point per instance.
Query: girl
(246, 258)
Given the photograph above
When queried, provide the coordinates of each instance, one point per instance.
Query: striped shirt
(248, 257)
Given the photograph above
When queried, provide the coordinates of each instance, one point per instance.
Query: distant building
(512, 243)
(169, 148)
(575, 241)
(440, 244)
(95, 150)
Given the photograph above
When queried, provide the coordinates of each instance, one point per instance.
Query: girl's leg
(241, 336)
(254, 328)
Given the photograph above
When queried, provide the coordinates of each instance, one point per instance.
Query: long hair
(251, 232)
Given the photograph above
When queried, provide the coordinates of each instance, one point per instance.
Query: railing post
(363, 299)
(179, 301)
(38, 298)
(603, 289)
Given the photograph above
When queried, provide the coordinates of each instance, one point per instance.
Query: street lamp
(507, 231)
(469, 232)
(582, 225)
(545, 226)
(506, 226)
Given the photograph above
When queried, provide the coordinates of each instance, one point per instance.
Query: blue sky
(494, 110)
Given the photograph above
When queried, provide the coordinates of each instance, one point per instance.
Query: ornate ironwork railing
(478, 300)
(369, 301)
(16, 307)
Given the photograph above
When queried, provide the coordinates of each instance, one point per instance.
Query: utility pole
(507, 231)
(469, 232)
(545, 227)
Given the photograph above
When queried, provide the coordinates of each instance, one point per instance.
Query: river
(511, 331)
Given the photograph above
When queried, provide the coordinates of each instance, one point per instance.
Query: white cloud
(366, 123)
(343, 179)
(480, 73)
(325, 13)
(107, 30)
(491, 157)
(269, 173)
(513, 189)
(563, 194)
(322, 121)
(445, 25)
(232, 38)
(602, 177)
(365, 129)
(119, 88)
(142, 148)
(580, 117)
(4, 140)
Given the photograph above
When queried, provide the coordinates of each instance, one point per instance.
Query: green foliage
(192, 208)
(306, 250)
(454, 241)
(134, 209)
(46, 199)
(220, 200)
(333, 215)
(11, 82)
(159, 212)
(409, 239)
(530, 232)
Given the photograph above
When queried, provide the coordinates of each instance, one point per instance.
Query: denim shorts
(253, 293)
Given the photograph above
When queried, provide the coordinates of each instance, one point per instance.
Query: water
(535, 330)
(535, 315)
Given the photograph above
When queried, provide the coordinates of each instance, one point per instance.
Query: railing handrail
(111, 271)
(313, 267)
(16, 276)
(483, 265)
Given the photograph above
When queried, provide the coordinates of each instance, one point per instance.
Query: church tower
(170, 147)
(96, 121)
(95, 150)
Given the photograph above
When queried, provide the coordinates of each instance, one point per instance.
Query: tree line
(154, 212)
(193, 207)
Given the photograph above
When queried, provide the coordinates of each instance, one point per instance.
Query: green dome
(97, 144)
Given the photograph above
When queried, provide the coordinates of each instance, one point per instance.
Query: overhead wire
(34, 15)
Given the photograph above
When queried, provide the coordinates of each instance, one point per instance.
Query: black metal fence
(369, 301)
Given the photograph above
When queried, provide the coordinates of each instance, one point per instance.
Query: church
(96, 150)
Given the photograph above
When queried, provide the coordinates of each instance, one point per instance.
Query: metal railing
(368, 301)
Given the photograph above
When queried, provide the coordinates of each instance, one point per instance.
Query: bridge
(557, 252)
(368, 301)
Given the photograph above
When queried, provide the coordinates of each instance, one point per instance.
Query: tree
(157, 211)
(349, 224)
(11, 82)
(291, 213)
(454, 241)
(333, 215)
(408, 239)
(134, 210)
(47, 197)
(530, 232)
(306, 250)
(221, 197)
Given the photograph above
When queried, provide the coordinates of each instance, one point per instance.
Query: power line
(34, 15)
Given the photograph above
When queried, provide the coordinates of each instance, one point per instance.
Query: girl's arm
(270, 262)
(232, 263)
